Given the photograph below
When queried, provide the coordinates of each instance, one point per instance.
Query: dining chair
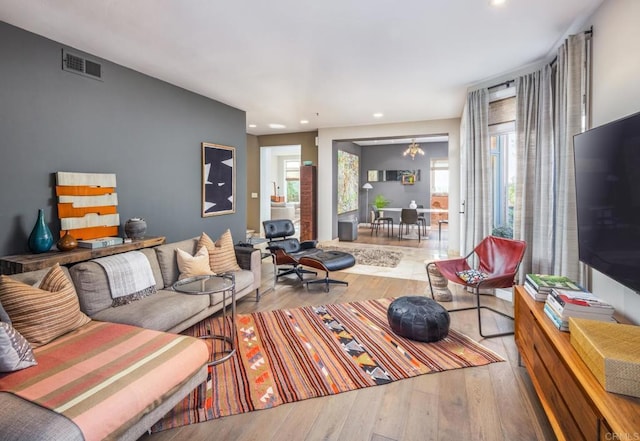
(409, 216)
(423, 221)
(440, 222)
(378, 220)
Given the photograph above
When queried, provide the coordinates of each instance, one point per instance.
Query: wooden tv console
(576, 404)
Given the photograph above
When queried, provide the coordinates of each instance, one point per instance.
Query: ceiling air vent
(80, 65)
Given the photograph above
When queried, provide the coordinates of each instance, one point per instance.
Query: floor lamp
(367, 187)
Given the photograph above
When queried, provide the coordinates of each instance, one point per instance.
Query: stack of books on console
(101, 242)
(539, 285)
(562, 304)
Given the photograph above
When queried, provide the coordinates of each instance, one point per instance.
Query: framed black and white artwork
(218, 179)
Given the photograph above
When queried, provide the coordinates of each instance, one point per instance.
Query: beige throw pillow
(222, 254)
(45, 313)
(191, 266)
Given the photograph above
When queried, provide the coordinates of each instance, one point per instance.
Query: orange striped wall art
(87, 204)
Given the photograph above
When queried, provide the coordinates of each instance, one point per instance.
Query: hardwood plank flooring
(495, 402)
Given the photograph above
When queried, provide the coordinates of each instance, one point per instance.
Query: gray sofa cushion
(22, 420)
(92, 287)
(161, 311)
(155, 266)
(243, 279)
(167, 259)
(33, 277)
(92, 284)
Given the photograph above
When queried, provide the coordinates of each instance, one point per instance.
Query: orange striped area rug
(289, 355)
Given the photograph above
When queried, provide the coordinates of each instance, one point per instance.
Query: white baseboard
(501, 293)
(505, 294)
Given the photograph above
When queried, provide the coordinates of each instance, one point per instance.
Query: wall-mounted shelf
(392, 175)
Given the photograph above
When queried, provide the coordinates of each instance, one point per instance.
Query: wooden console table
(576, 404)
(22, 263)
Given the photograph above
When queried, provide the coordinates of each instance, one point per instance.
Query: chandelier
(413, 150)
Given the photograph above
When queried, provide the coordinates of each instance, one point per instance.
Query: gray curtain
(476, 162)
(569, 98)
(549, 113)
(535, 198)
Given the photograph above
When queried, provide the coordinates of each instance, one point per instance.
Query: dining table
(419, 210)
(413, 234)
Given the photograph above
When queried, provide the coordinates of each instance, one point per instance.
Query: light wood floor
(492, 403)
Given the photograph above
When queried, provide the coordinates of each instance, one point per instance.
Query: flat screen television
(607, 161)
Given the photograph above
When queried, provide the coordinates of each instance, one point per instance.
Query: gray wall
(144, 130)
(389, 157)
(616, 33)
(350, 147)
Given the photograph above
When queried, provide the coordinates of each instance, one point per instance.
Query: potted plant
(381, 202)
(503, 231)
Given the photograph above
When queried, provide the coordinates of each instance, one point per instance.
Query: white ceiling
(334, 63)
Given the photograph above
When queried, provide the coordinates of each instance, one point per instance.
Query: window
(440, 176)
(292, 178)
(503, 173)
(502, 142)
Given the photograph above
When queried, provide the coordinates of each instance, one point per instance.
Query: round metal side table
(206, 285)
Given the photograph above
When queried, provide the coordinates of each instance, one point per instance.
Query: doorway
(386, 163)
(280, 183)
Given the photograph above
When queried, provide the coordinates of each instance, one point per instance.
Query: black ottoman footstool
(418, 318)
(328, 261)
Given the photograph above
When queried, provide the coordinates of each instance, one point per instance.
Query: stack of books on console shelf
(100, 242)
(562, 304)
(539, 285)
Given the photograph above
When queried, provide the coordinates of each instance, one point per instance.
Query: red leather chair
(498, 261)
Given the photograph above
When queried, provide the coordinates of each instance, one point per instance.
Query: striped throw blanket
(130, 276)
(105, 376)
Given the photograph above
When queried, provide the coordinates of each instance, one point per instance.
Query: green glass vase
(40, 239)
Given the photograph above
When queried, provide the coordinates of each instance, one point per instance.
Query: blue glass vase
(40, 239)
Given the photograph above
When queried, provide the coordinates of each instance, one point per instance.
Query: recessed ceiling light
(378, 115)
(277, 126)
(252, 126)
(304, 121)
(497, 2)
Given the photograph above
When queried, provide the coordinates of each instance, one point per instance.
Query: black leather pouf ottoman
(418, 318)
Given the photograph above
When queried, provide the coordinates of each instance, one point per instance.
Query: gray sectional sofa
(166, 310)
